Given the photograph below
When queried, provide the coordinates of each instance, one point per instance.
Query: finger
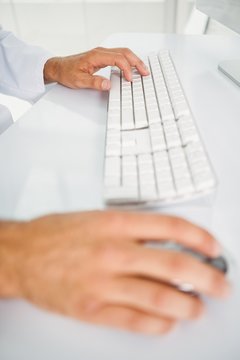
(157, 227)
(104, 57)
(94, 82)
(175, 268)
(121, 62)
(153, 298)
(134, 60)
(131, 320)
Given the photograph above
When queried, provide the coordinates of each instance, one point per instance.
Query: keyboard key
(154, 116)
(161, 160)
(143, 141)
(164, 176)
(140, 118)
(113, 137)
(146, 168)
(112, 181)
(166, 112)
(115, 104)
(204, 181)
(153, 149)
(144, 159)
(114, 122)
(127, 119)
(158, 142)
(113, 166)
(181, 109)
(166, 190)
(115, 86)
(113, 150)
(129, 150)
(172, 139)
(189, 135)
(121, 194)
(129, 160)
(195, 153)
(129, 180)
(148, 192)
(184, 186)
(146, 179)
(128, 138)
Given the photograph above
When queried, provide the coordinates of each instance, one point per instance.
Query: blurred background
(72, 26)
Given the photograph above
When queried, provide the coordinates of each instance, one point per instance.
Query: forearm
(9, 255)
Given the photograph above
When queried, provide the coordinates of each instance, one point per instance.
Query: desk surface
(52, 159)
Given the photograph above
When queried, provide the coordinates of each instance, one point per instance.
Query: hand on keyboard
(154, 153)
(94, 266)
(77, 71)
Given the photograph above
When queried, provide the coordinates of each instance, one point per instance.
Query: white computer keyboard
(154, 153)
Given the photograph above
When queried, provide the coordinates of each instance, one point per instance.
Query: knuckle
(106, 251)
(105, 219)
(167, 326)
(119, 55)
(205, 238)
(177, 264)
(116, 221)
(75, 79)
(112, 223)
(89, 305)
(95, 50)
(127, 259)
(136, 322)
(158, 299)
(215, 281)
(127, 51)
(84, 306)
(96, 82)
(147, 324)
(120, 59)
(176, 222)
(110, 254)
(139, 62)
(197, 309)
(91, 55)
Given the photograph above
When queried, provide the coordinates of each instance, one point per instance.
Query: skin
(77, 71)
(94, 266)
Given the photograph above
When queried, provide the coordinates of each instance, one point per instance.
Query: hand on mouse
(93, 266)
(77, 71)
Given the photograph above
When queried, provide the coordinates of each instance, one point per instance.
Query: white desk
(51, 160)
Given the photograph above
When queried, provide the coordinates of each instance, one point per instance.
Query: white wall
(68, 26)
(65, 27)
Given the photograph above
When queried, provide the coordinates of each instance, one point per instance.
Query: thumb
(97, 82)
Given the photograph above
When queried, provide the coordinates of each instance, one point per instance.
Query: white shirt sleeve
(21, 67)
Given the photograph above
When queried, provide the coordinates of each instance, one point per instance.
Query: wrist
(51, 70)
(10, 234)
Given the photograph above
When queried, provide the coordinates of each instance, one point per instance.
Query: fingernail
(106, 85)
